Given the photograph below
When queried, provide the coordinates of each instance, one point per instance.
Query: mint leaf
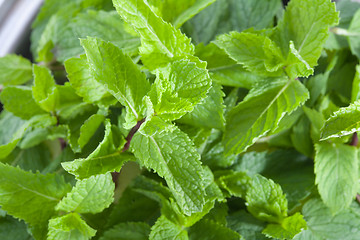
(260, 112)
(105, 158)
(40, 192)
(338, 160)
(82, 81)
(354, 31)
(208, 229)
(165, 149)
(160, 42)
(342, 122)
(178, 88)
(118, 74)
(210, 112)
(287, 229)
(19, 100)
(265, 200)
(14, 70)
(164, 229)
(310, 36)
(235, 183)
(13, 229)
(89, 128)
(44, 90)
(70, 226)
(84, 197)
(256, 52)
(355, 93)
(126, 231)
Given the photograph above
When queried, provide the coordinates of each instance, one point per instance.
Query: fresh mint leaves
(187, 119)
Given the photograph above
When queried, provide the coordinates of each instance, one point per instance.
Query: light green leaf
(178, 12)
(128, 231)
(91, 195)
(355, 93)
(261, 112)
(287, 229)
(322, 224)
(44, 90)
(20, 102)
(168, 151)
(236, 183)
(336, 170)
(354, 33)
(164, 229)
(14, 70)
(296, 66)
(118, 74)
(309, 36)
(256, 52)
(89, 128)
(210, 112)
(160, 42)
(70, 226)
(210, 230)
(106, 157)
(40, 192)
(265, 200)
(300, 137)
(343, 122)
(178, 88)
(82, 81)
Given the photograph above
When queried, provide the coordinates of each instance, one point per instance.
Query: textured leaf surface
(106, 157)
(82, 81)
(40, 192)
(164, 229)
(44, 90)
(336, 170)
(160, 41)
(343, 122)
(70, 226)
(118, 74)
(235, 183)
(20, 102)
(14, 70)
(91, 195)
(322, 224)
(128, 231)
(208, 229)
(256, 52)
(260, 112)
(287, 229)
(309, 36)
(165, 149)
(265, 200)
(178, 88)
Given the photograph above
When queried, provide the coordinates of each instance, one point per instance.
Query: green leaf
(89, 128)
(210, 112)
(354, 33)
(118, 74)
(164, 229)
(287, 229)
(178, 12)
(14, 70)
(20, 102)
(82, 81)
(342, 122)
(336, 170)
(261, 112)
(168, 151)
(128, 231)
(208, 229)
(91, 195)
(235, 183)
(12, 229)
(70, 226)
(107, 157)
(266, 201)
(160, 42)
(40, 192)
(322, 224)
(309, 36)
(178, 88)
(44, 90)
(300, 137)
(296, 65)
(256, 52)
(355, 93)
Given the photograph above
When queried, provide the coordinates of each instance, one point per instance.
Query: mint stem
(354, 140)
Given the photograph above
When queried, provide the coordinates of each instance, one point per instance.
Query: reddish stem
(354, 140)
